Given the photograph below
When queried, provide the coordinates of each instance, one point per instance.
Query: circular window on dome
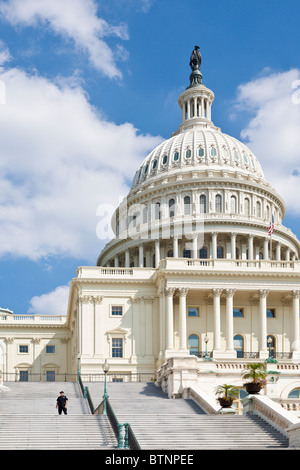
(188, 153)
(176, 156)
(165, 159)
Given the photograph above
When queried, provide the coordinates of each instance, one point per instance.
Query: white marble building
(193, 283)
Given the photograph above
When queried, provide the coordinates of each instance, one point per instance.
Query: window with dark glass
(271, 313)
(50, 349)
(117, 310)
(203, 253)
(187, 205)
(218, 203)
(202, 204)
(171, 207)
(117, 347)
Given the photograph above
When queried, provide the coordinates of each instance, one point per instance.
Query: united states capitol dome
(199, 174)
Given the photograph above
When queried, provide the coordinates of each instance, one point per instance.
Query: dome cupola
(203, 179)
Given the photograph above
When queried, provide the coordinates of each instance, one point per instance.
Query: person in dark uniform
(61, 403)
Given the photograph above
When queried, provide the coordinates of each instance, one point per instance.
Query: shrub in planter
(256, 374)
(226, 394)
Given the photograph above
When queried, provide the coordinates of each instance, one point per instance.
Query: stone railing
(223, 264)
(205, 402)
(41, 319)
(281, 419)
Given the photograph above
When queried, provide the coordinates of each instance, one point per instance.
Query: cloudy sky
(89, 87)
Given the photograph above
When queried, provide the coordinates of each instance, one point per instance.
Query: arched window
(258, 209)
(233, 204)
(171, 207)
(154, 165)
(187, 205)
(246, 206)
(157, 211)
(220, 252)
(218, 203)
(188, 153)
(193, 345)
(175, 156)
(202, 204)
(268, 212)
(271, 345)
(238, 344)
(294, 393)
(261, 255)
(165, 159)
(170, 254)
(203, 253)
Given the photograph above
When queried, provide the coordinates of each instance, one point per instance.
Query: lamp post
(105, 368)
(270, 358)
(206, 357)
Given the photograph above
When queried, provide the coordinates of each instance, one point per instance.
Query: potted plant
(256, 373)
(226, 394)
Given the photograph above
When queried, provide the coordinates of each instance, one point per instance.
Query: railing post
(126, 435)
(120, 436)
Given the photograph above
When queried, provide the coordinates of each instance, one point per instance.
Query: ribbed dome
(201, 148)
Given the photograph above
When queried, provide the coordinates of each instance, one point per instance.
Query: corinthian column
(229, 319)
(182, 319)
(295, 339)
(216, 293)
(169, 292)
(263, 293)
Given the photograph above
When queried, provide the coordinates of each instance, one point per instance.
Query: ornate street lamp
(105, 368)
(270, 358)
(206, 357)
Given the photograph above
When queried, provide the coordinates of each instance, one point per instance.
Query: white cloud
(59, 160)
(273, 130)
(52, 303)
(75, 20)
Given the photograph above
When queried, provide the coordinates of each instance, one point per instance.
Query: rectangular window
(271, 313)
(50, 376)
(117, 347)
(117, 310)
(23, 349)
(117, 380)
(193, 311)
(238, 312)
(23, 375)
(50, 349)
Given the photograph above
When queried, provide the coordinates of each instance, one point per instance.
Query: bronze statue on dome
(195, 60)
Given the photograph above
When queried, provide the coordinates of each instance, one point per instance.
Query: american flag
(271, 226)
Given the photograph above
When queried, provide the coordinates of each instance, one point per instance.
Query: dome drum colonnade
(202, 195)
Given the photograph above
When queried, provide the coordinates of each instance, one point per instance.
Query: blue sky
(89, 87)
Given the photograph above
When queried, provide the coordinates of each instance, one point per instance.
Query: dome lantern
(195, 102)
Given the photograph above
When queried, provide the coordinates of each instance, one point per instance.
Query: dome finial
(195, 63)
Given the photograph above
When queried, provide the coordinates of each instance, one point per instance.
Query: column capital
(230, 292)
(262, 293)
(295, 294)
(216, 292)
(182, 291)
(169, 291)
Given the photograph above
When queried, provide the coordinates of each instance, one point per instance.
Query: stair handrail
(86, 394)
